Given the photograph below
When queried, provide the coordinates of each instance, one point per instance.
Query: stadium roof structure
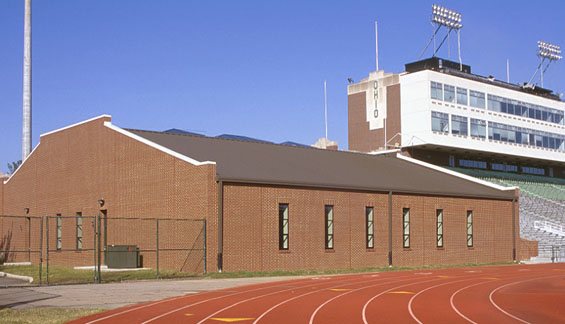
(259, 162)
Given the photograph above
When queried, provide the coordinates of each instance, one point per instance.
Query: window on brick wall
(329, 218)
(469, 228)
(370, 222)
(439, 227)
(59, 232)
(283, 227)
(79, 230)
(406, 227)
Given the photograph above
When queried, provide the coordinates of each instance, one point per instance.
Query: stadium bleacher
(542, 208)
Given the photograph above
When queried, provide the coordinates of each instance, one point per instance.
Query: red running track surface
(490, 294)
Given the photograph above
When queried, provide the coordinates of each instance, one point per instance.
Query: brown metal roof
(254, 162)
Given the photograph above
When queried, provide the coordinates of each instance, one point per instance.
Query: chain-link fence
(557, 253)
(20, 243)
(80, 249)
(167, 246)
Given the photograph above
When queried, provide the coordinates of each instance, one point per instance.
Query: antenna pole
(508, 70)
(26, 129)
(377, 45)
(326, 107)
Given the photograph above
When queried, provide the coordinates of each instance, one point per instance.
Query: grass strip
(66, 275)
(44, 315)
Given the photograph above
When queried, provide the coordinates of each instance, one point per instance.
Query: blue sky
(253, 68)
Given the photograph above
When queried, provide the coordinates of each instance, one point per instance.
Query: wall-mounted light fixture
(26, 210)
(101, 202)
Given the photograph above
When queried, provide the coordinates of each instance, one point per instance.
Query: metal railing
(549, 227)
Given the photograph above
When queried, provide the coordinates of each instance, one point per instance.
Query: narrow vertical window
(406, 227)
(283, 226)
(469, 228)
(370, 221)
(59, 232)
(329, 227)
(79, 231)
(439, 227)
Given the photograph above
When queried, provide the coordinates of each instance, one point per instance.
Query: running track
(493, 294)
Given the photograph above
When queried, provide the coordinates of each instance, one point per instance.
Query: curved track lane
(501, 294)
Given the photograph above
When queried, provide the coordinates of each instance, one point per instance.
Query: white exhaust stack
(26, 138)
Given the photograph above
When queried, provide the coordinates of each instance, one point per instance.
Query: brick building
(267, 206)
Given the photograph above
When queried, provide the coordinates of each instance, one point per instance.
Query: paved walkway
(115, 295)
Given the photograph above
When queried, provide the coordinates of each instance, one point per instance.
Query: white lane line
(510, 284)
(207, 300)
(455, 293)
(253, 298)
(136, 308)
(421, 291)
(452, 298)
(340, 295)
(296, 297)
(364, 312)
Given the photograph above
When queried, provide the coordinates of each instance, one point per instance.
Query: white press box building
(439, 112)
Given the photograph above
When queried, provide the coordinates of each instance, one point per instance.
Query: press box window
(406, 227)
(462, 96)
(448, 93)
(478, 128)
(440, 122)
(370, 227)
(477, 99)
(439, 227)
(283, 227)
(459, 125)
(436, 91)
(329, 218)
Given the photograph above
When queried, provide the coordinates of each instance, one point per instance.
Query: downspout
(390, 228)
(514, 228)
(220, 225)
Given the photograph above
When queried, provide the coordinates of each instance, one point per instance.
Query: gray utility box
(122, 256)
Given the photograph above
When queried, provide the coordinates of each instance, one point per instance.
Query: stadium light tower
(26, 129)
(443, 17)
(546, 51)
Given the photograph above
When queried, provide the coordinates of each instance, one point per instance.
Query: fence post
(204, 220)
(98, 237)
(94, 235)
(40, 248)
(29, 239)
(157, 244)
(47, 248)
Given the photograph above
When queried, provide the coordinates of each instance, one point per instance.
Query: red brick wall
(360, 137)
(71, 169)
(251, 229)
(528, 249)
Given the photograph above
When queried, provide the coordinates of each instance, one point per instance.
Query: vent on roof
(289, 143)
(241, 138)
(180, 131)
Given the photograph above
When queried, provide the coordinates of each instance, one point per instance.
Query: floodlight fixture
(446, 17)
(443, 17)
(547, 51)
